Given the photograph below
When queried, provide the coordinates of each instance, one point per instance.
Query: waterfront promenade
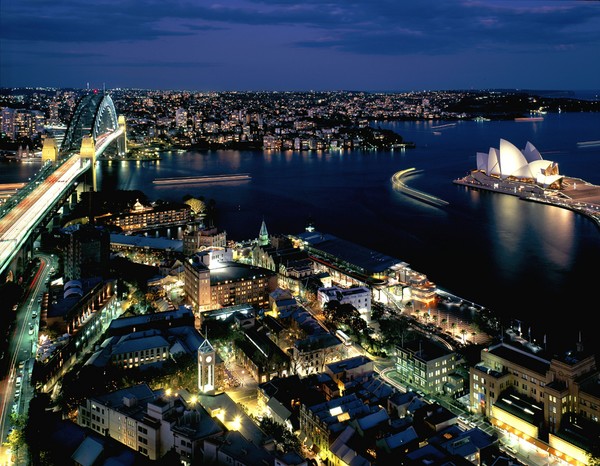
(575, 194)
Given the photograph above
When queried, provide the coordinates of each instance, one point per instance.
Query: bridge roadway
(21, 220)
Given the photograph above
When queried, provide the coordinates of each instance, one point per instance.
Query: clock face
(208, 358)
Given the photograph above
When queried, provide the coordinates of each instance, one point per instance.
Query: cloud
(453, 27)
(243, 41)
(387, 27)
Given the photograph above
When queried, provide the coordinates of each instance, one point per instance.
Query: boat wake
(415, 193)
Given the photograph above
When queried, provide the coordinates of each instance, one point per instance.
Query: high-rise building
(87, 252)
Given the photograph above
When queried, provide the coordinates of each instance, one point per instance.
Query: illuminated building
(151, 422)
(320, 424)
(359, 297)
(539, 400)
(145, 218)
(84, 309)
(203, 238)
(210, 284)
(425, 365)
(206, 367)
(508, 162)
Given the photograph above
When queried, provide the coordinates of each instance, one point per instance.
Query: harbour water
(527, 261)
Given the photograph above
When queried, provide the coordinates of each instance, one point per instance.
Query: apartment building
(426, 365)
(151, 422)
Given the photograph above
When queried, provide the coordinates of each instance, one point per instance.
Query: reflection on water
(518, 258)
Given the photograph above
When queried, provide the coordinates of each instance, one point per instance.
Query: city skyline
(284, 45)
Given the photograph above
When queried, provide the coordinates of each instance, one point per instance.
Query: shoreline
(584, 201)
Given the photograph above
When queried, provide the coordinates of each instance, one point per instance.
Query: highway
(21, 219)
(34, 200)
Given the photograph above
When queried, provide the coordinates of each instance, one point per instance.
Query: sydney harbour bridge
(94, 126)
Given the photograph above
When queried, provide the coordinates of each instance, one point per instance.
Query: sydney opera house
(510, 163)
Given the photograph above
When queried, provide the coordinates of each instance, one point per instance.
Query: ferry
(203, 179)
(530, 118)
(588, 144)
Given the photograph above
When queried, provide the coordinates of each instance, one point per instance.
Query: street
(15, 387)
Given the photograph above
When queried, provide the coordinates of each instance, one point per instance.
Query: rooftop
(164, 244)
(347, 364)
(235, 271)
(521, 358)
(367, 259)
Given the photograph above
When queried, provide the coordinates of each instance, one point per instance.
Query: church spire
(263, 235)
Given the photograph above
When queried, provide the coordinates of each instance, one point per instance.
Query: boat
(530, 118)
(588, 144)
(203, 179)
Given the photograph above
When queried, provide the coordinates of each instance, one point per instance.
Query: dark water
(536, 263)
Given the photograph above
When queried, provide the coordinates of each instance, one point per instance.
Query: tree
(593, 459)
(394, 332)
(197, 205)
(16, 437)
(285, 439)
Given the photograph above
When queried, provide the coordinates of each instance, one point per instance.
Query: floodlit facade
(509, 162)
(426, 365)
(552, 404)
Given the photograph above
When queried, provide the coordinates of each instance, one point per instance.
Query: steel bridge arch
(94, 114)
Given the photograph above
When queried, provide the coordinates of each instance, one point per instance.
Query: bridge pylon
(122, 141)
(88, 151)
(49, 150)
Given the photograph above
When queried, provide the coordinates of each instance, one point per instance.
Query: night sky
(371, 45)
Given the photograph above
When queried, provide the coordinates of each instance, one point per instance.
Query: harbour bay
(522, 260)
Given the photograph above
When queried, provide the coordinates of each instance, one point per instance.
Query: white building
(151, 422)
(359, 297)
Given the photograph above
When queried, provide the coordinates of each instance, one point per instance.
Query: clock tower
(206, 367)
